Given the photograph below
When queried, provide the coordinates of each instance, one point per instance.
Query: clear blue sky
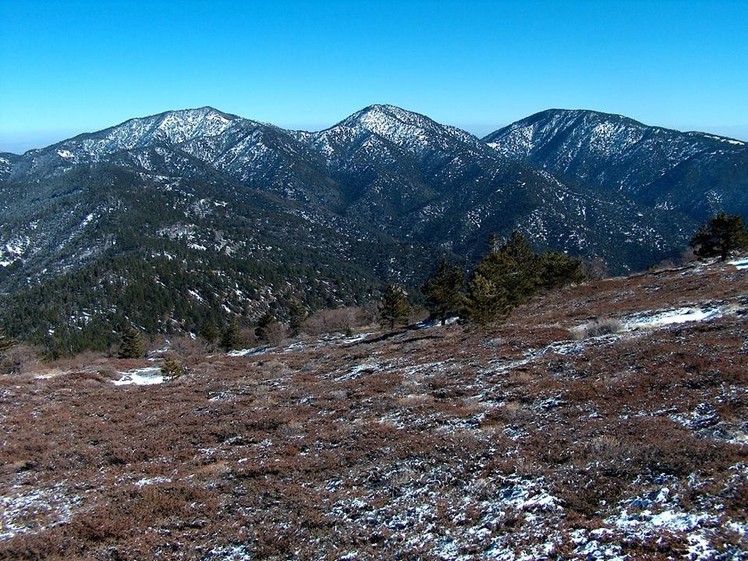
(76, 65)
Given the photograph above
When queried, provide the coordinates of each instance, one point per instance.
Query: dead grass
(392, 447)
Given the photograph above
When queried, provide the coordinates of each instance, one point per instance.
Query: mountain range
(167, 220)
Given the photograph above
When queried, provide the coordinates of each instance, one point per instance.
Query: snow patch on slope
(740, 264)
(13, 249)
(654, 320)
(140, 377)
(24, 510)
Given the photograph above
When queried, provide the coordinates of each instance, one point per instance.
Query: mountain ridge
(232, 116)
(613, 152)
(378, 197)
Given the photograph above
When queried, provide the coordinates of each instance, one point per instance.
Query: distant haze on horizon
(81, 66)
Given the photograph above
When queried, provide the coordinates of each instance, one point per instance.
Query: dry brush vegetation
(547, 438)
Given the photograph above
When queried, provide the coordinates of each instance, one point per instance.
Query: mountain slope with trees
(692, 173)
(196, 216)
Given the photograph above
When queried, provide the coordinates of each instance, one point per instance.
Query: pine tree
(444, 291)
(558, 269)
(719, 236)
(131, 344)
(171, 367)
(511, 273)
(394, 307)
(265, 325)
(209, 332)
(505, 277)
(231, 337)
(296, 315)
(5, 342)
(487, 300)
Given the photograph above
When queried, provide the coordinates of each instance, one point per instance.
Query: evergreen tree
(505, 277)
(171, 368)
(487, 300)
(296, 315)
(521, 266)
(264, 326)
(444, 291)
(209, 332)
(558, 269)
(231, 337)
(511, 273)
(394, 307)
(5, 342)
(131, 344)
(719, 236)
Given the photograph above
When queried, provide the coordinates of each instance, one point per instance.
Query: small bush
(18, 360)
(339, 320)
(597, 328)
(171, 368)
(274, 334)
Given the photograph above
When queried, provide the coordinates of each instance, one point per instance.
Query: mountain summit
(692, 172)
(403, 128)
(214, 215)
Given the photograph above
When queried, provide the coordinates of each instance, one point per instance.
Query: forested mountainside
(693, 173)
(166, 220)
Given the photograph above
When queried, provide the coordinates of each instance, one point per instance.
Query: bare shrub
(275, 334)
(186, 347)
(338, 320)
(597, 328)
(272, 369)
(248, 337)
(19, 359)
(596, 269)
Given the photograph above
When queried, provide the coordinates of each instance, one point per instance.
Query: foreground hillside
(604, 421)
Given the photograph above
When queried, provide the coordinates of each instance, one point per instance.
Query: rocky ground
(606, 421)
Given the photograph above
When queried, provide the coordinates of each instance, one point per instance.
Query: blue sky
(77, 65)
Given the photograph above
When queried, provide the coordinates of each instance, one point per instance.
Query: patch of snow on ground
(239, 552)
(669, 317)
(249, 352)
(356, 338)
(140, 377)
(646, 521)
(740, 264)
(152, 480)
(34, 510)
(296, 346)
(428, 324)
(502, 366)
(356, 371)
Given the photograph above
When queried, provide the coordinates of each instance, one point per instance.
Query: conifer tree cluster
(266, 327)
(131, 344)
(720, 235)
(508, 274)
(444, 291)
(394, 307)
(5, 342)
(231, 336)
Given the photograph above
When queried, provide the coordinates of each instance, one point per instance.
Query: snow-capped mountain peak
(172, 127)
(618, 153)
(181, 126)
(407, 130)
